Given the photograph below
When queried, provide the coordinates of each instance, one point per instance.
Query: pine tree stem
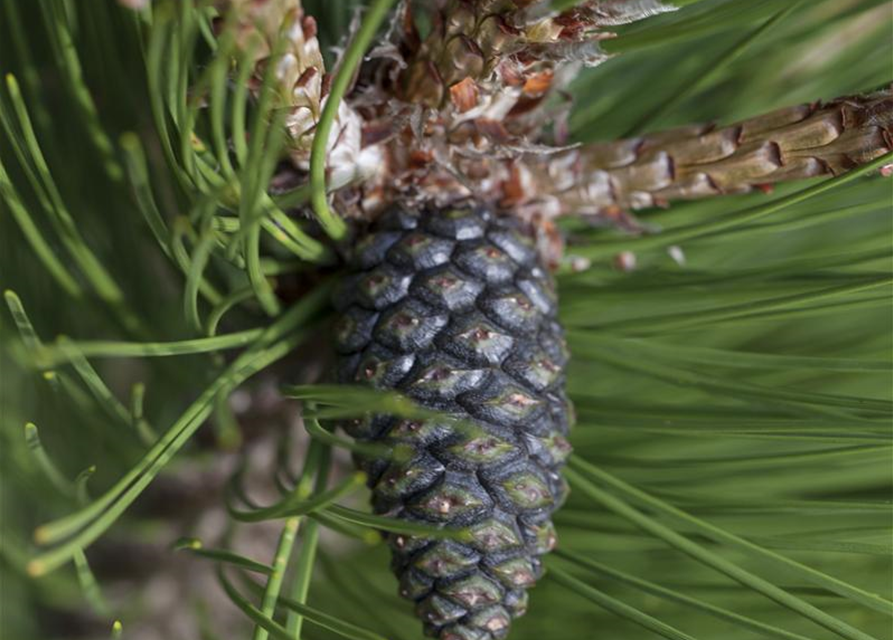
(703, 161)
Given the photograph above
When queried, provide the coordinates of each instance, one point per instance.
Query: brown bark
(703, 161)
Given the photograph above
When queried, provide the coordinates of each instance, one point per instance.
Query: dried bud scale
(264, 28)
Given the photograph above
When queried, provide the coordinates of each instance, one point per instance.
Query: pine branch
(484, 73)
(702, 161)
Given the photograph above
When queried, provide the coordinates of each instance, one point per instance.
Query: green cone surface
(452, 308)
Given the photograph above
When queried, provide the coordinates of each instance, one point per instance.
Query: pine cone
(452, 308)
